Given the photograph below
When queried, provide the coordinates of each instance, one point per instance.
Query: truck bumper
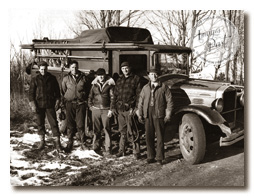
(232, 138)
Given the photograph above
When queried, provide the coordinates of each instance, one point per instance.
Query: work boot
(82, 140)
(42, 142)
(137, 156)
(69, 145)
(122, 144)
(58, 144)
(120, 154)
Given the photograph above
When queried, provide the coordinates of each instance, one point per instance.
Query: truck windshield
(171, 63)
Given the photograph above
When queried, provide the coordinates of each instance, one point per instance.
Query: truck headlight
(218, 104)
(242, 100)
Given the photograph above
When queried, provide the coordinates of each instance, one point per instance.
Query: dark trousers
(154, 125)
(51, 116)
(124, 121)
(101, 123)
(75, 116)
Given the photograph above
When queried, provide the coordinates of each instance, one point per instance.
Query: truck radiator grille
(229, 98)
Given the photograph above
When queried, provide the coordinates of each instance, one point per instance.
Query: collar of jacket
(131, 75)
(159, 84)
(108, 81)
(79, 73)
(46, 76)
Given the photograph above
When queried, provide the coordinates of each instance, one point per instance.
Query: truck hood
(186, 90)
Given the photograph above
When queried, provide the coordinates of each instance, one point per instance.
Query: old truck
(203, 109)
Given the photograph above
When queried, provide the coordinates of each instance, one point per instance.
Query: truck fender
(211, 116)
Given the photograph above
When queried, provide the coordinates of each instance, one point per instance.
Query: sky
(27, 24)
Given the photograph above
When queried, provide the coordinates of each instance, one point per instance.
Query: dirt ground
(222, 167)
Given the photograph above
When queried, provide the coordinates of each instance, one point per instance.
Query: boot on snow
(69, 146)
(42, 142)
(58, 144)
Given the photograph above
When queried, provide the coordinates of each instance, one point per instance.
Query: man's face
(101, 78)
(126, 70)
(153, 77)
(43, 70)
(74, 68)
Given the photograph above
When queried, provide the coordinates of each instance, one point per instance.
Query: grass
(20, 112)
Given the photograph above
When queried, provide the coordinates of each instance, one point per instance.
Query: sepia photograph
(127, 98)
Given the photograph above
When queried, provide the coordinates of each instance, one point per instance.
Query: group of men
(105, 98)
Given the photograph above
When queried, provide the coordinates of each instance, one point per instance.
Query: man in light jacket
(75, 89)
(154, 109)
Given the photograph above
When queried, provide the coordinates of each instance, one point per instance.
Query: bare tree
(94, 19)
(234, 67)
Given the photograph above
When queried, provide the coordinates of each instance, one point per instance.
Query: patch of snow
(82, 154)
(71, 173)
(29, 138)
(54, 165)
(19, 163)
(15, 154)
(34, 181)
(34, 171)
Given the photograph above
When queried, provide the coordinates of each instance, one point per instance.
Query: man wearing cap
(100, 103)
(126, 93)
(75, 91)
(44, 98)
(154, 109)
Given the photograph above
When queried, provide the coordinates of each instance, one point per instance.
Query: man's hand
(133, 111)
(166, 119)
(141, 119)
(110, 113)
(57, 105)
(33, 107)
(114, 112)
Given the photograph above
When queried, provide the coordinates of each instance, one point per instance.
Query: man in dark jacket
(155, 107)
(126, 93)
(44, 97)
(100, 103)
(75, 91)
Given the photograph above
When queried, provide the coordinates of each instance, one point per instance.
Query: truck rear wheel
(192, 138)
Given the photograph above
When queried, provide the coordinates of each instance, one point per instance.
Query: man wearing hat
(154, 109)
(100, 103)
(44, 98)
(126, 93)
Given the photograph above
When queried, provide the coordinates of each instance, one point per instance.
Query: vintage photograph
(129, 98)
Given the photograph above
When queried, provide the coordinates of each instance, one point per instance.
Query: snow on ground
(32, 167)
(29, 167)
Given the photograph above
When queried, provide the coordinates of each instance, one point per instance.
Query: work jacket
(75, 90)
(126, 92)
(101, 96)
(163, 104)
(44, 91)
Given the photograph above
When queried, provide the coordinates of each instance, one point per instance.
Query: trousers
(154, 125)
(101, 122)
(75, 116)
(124, 122)
(51, 116)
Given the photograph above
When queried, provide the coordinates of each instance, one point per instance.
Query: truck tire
(192, 138)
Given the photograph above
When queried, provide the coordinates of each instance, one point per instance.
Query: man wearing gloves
(100, 103)
(154, 109)
(75, 89)
(44, 97)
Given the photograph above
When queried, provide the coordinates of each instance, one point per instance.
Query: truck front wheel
(192, 138)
